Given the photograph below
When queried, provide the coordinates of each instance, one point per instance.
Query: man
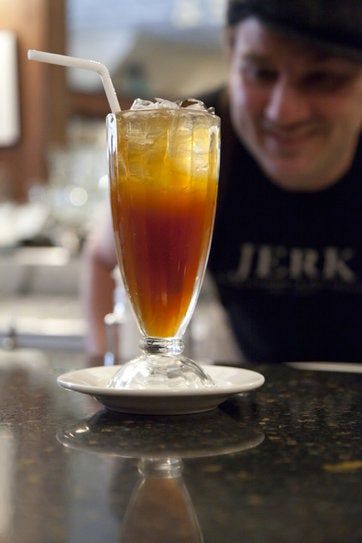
(287, 253)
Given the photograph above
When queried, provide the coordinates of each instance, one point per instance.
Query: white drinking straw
(83, 64)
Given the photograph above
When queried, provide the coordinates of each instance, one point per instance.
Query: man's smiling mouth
(285, 139)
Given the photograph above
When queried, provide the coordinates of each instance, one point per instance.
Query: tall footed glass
(164, 173)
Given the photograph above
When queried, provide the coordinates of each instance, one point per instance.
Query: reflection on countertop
(302, 481)
(160, 508)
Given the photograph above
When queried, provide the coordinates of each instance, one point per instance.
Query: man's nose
(287, 105)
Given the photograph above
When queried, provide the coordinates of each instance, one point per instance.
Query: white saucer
(228, 382)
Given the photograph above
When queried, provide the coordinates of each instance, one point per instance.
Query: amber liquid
(163, 205)
(161, 512)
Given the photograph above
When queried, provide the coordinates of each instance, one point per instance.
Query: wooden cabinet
(43, 96)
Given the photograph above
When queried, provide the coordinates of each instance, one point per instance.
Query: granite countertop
(279, 464)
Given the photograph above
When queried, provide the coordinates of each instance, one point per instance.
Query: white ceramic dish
(228, 382)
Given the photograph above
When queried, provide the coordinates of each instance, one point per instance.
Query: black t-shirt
(288, 265)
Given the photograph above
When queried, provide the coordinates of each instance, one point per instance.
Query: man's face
(297, 110)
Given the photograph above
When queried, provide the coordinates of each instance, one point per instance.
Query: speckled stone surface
(280, 464)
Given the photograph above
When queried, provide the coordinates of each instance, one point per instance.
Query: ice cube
(162, 103)
(139, 103)
(192, 103)
(167, 104)
(156, 103)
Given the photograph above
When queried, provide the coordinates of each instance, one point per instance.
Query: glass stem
(162, 346)
(160, 467)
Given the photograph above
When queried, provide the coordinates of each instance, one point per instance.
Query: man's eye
(325, 81)
(259, 75)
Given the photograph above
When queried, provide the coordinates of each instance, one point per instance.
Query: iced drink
(164, 171)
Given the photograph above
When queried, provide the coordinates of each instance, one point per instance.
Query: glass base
(162, 366)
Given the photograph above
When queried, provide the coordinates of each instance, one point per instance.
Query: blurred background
(53, 171)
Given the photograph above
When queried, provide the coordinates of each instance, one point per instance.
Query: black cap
(333, 25)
